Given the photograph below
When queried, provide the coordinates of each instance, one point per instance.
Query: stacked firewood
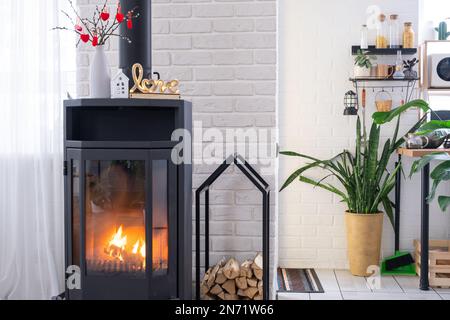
(228, 280)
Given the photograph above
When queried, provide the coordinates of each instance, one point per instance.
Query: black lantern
(351, 104)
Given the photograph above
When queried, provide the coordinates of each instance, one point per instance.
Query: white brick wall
(224, 53)
(315, 64)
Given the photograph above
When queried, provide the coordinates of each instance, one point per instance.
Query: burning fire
(117, 245)
(128, 246)
(117, 248)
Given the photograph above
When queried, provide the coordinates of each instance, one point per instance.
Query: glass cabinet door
(115, 200)
(124, 221)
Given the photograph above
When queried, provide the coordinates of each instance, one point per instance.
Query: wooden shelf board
(417, 153)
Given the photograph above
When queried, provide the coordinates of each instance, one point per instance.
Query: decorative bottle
(381, 40)
(408, 36)
(394, 32)
(364, 37)
(399, 67)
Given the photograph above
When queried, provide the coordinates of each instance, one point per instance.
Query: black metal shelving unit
(407, 84)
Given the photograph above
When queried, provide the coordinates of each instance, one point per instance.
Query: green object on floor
(408, 270)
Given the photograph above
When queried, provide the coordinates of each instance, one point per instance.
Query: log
(257, 266)
(251, 292)
(204, 290)
(231, 269)
(234, 281)
(246, 269)
(241, 283)
(252, 282)
(258, 274)
(212, 276)
(258, 262)
(241, 293)
(220, 277)
(209, 297)
(230, 287)
(216, 290)
(231, 297)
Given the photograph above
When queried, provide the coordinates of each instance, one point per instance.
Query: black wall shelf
(382, 79)
(384, 52)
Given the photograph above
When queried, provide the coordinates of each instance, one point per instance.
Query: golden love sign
(150, 85)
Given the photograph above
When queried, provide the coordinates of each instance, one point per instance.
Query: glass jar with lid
(394, 32)
(381, 40)
(408, 36)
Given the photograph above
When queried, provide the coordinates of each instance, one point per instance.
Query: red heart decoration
(120, 17)
(84, 38)
(95, 41)
(104, 15)
(78, 28)
(130, 24)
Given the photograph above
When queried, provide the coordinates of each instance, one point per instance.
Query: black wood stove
(128, 205)
(128, 211)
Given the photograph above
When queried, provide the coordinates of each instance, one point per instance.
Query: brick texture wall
(224, 54)
(315, 64)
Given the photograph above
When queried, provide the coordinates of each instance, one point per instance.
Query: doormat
(298, 281)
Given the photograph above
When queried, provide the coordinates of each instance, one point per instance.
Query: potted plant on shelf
(364, 185)
(363, 63)
(408, 66)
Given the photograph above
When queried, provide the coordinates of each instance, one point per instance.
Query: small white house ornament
(120, 86)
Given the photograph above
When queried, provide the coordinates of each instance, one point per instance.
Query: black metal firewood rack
(262, 186)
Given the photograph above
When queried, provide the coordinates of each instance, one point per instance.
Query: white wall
(315, 64)
(224, 54)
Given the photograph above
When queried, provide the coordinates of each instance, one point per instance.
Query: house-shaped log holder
(262, 186)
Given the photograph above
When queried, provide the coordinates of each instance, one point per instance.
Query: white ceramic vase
(100, 78)
(361, 72)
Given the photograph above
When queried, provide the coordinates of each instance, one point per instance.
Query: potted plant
(363, 63)
(364, 185)
(408, 66)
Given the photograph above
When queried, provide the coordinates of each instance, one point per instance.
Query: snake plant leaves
(298, 172)
(365, 182)
(385, 117)
(327, 187)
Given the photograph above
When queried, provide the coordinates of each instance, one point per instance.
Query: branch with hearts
(102, 26)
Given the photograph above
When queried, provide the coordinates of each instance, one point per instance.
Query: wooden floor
(341, 285)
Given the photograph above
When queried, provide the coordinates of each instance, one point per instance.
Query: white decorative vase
(100, 79)
(361, 72)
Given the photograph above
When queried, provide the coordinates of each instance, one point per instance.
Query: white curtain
(31, 181)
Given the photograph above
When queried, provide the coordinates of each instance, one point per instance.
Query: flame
(117, 245)
(122, 247)
(142, 251)
(138, 249)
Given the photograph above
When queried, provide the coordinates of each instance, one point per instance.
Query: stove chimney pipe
(140, 48)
